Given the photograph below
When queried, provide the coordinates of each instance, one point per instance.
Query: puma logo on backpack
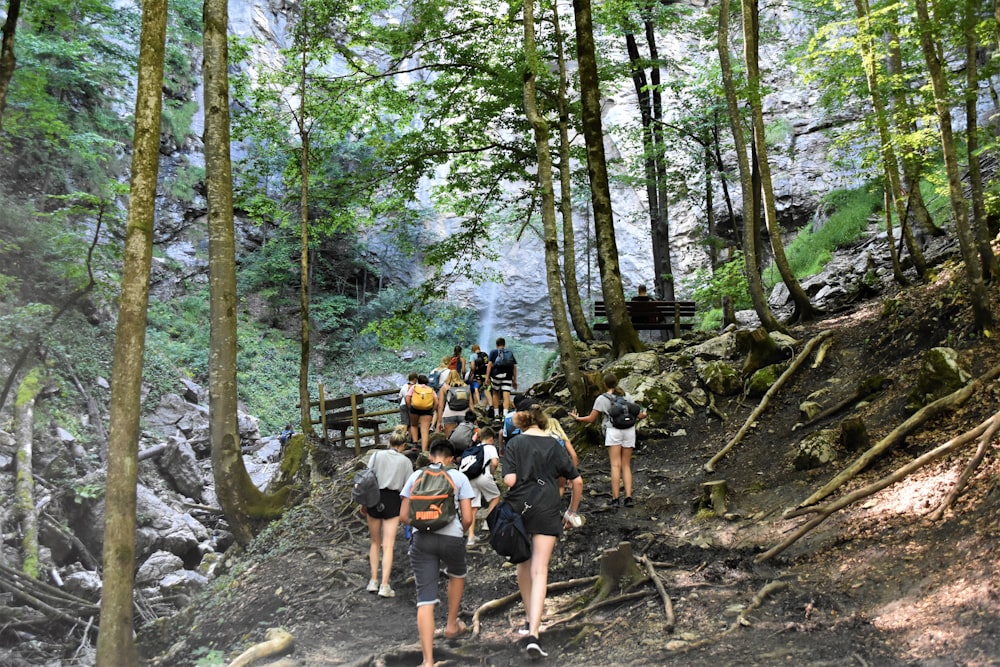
(432, 499)
(422, 398)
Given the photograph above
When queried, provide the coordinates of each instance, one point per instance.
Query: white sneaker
(384, 591)
(471, 541)
(485, 526)
(372, 585)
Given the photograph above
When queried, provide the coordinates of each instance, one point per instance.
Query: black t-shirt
(538, 461)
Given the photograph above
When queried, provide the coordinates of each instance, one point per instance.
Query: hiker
(430, 550)
(421, 403)
(452, 402)
(484, 484)
(457, 362)
(286, 435)
(555, 430)
(501, 372)
(404, 407)
(532, 463)
(620, 442)
(392, 468)
(641, 294)
(476, 377)
(436, 376)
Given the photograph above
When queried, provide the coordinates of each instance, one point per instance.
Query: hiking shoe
(491, 413)
(629, 502)
(384, 591)
(613, 502)
(534, 649)
(471, 542)
(372, 585)
(524, 630)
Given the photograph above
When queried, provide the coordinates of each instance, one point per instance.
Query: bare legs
(621, 469)
(425, 619)
(533, 579)
(382, 536)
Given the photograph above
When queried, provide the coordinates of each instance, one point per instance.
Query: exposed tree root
(973, 464)
(668, 607)
(949, 402)
(500, 603)
(278, 641)
(825, 511)
(789, 372)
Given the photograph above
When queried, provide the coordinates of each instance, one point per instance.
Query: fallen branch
(949, 402)
(963, 480)
(803, 355)
(668, 607)
(825, 511)
(627, 597)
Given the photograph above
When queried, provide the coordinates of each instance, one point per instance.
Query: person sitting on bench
(652, 317)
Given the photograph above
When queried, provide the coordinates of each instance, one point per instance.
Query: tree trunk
(890, 165)
(663, 267)
(305, 419)
(973, 269)
(624, 338)
(115, 642)
(803, 307)
(7, 59)
(576, 312)
(24, 488)
(760, 304)
(241, 501)
(567, 349)
(979, 227)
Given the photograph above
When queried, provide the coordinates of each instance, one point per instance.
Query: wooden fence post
(322, 413)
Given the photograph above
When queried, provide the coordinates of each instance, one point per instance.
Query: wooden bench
(348, 414)
(653, 315)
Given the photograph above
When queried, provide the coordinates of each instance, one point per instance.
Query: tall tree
(624, 338)
(7, 58)
(115, 642)
(942, 101)
(751, 14)
(24, 488)
(573, 301)
(567, 349)
(756, 287)
(242, 502)
(890, 165)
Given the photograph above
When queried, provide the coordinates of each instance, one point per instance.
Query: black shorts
(388, 505)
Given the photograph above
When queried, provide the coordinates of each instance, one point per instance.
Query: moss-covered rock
(816, 450)
(764, 379)
(939, 376)
(721, 378)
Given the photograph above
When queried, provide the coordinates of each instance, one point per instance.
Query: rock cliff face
(804, 163)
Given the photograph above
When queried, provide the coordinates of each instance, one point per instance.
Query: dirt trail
(877, 584)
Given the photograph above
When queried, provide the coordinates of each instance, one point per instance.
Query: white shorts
(485, 487)
(624, 437)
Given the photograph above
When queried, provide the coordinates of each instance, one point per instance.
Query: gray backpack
(366, 489)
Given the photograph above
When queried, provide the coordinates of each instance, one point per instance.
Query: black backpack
(482, 361)
(473, 461)
(623, 412)
(457, 398)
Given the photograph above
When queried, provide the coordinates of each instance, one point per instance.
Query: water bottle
(573, 518)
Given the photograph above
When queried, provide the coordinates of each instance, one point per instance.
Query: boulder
(816, 449)
(939, 376)
(720, 377)
(157, 566)
(83, 584)
(179, 466)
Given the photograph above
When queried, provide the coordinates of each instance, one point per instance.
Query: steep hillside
(878, 583)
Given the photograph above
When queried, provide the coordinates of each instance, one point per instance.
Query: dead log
(928, 412)
(24, 487)
(806, 350)
(822, 513)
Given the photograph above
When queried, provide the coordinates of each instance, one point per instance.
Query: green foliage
(847, 213)
(176, 118)
(84, 492)
(207, 657)
(728, 280)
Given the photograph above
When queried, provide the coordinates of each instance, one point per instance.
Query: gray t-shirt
(391, 468)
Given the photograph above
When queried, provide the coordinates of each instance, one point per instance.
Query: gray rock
(179, 466)
(157, 566)
(83, 584)
(816, 450)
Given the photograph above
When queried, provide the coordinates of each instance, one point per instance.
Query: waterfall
(486, 333)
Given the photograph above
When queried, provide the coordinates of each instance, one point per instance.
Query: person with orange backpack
(422, 402)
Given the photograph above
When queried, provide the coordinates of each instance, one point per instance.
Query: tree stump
(618, 571)
(714, 496)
